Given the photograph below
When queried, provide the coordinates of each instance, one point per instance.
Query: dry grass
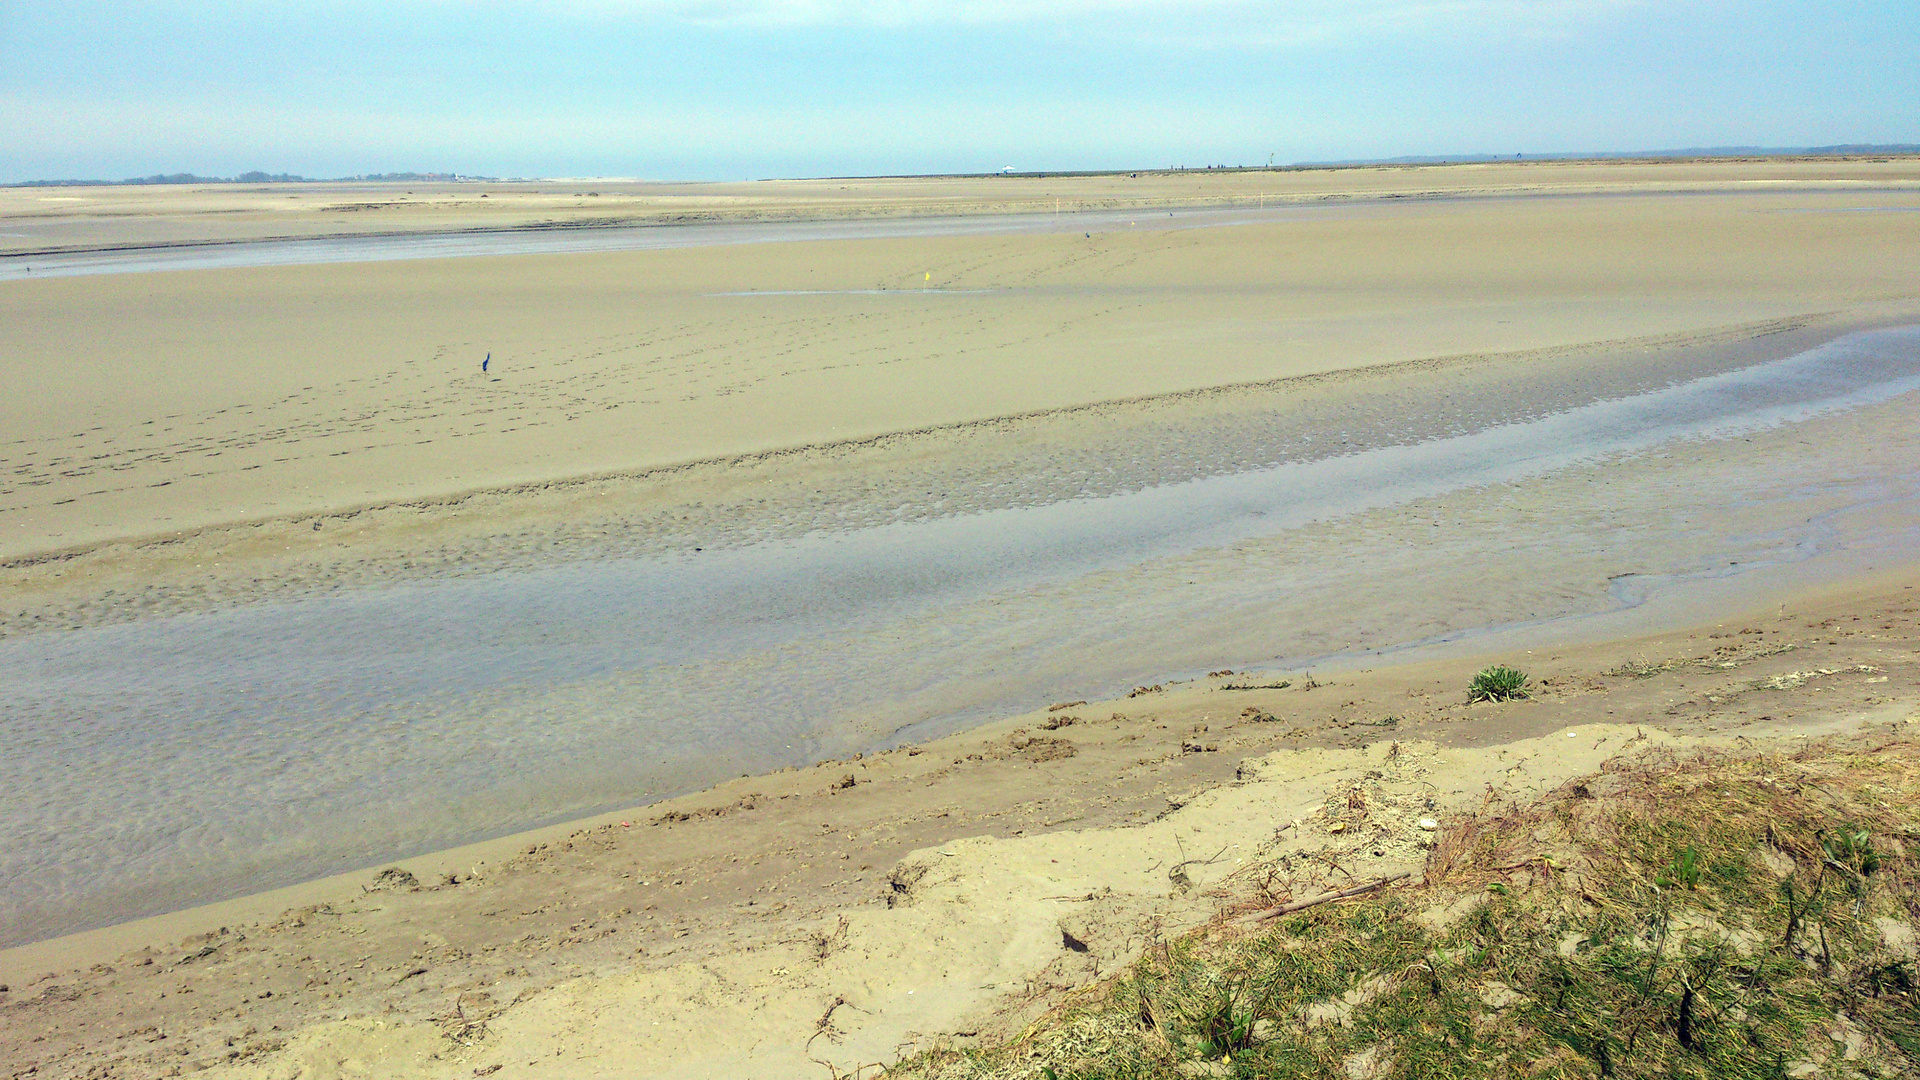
(1671, 916)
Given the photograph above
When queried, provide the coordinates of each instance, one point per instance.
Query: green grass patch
(1498, 683)
(1674, 917)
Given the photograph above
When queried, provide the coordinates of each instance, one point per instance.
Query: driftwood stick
(1327, 898)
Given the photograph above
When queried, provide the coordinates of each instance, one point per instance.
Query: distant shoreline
(1842, 151)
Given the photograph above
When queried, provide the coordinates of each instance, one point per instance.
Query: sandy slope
(780, 921)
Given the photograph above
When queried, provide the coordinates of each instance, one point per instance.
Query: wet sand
(156, 404)
(46, 221)
(200, 446)
(463, 693)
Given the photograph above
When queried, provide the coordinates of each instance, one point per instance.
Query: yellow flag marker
(929, 275)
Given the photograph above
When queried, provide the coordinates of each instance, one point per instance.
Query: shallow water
(584, 239)
(168, 761)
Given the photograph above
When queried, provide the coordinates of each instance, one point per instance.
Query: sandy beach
(272, 544)
(925, 889)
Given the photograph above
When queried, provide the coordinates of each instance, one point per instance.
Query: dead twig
(1178, 875)
(1326, 898)
(824, 1025)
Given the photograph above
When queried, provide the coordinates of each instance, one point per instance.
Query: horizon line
(262, 177)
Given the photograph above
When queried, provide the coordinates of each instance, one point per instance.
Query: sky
(739, 89)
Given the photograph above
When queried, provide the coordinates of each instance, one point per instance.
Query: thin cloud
(1308, 19)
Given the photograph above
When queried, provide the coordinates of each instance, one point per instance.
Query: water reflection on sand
(174, 760)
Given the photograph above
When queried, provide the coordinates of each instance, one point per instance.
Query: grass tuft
(1498, 683)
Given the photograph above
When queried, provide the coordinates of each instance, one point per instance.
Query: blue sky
(729, 89)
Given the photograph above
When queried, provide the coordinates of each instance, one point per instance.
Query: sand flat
(153, 403)
(417, 677)
(158, 411)
(51, 219)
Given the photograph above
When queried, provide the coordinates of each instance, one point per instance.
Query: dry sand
(783, 920)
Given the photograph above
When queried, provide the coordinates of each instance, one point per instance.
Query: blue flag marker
(484, 363)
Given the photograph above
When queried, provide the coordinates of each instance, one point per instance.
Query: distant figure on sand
(484, 363)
